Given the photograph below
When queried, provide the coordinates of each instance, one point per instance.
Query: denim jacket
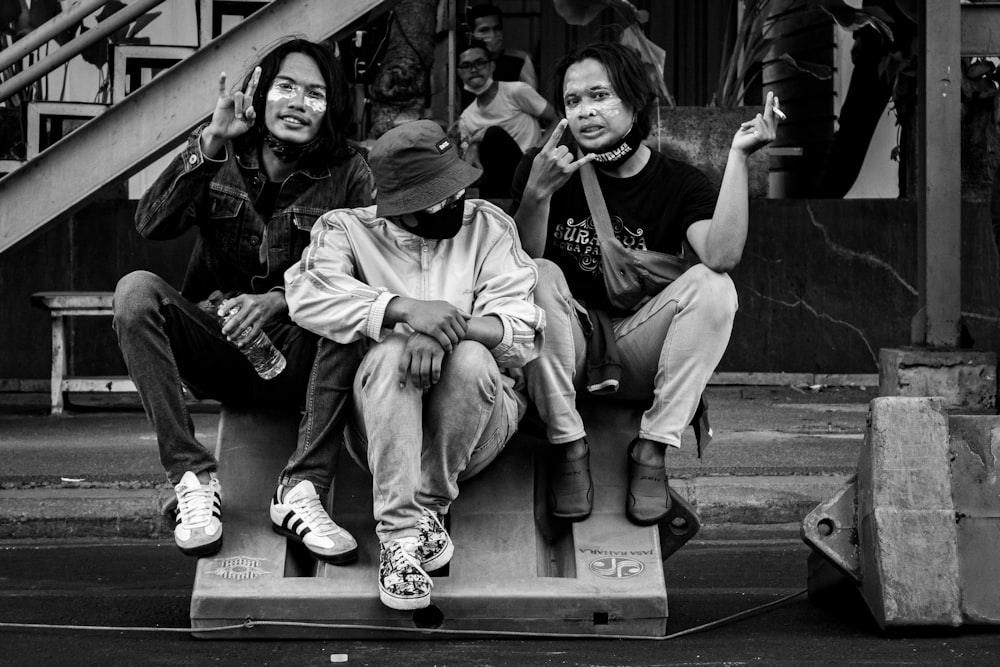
(217, 196)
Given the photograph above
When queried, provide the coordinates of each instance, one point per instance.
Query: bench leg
(58, 364)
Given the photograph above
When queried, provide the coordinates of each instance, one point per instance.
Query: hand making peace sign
(234, 115)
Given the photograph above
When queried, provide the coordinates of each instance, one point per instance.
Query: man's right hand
(233, 116)
(438, 319)
(554, 164)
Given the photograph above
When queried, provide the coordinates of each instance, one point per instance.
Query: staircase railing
(55, 26)
(150, 121)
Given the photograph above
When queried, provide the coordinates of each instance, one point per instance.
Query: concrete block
(511, 571)
(926, 547)
(905, 517)
(962, 378)
(975, 447)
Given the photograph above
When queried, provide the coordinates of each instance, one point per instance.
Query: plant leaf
(141, 23)
(980, 68)
(852, 19)
(41, 11)
(821, 72)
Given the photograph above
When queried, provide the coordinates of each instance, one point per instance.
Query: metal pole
(28, 76)
(940, 200)
(47, 31)
(451, 62)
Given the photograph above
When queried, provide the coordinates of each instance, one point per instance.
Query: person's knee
(134, 294)
(383, 358)
(716, 292)
(551, 288)
(470, 363)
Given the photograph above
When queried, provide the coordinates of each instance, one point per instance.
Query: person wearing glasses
(439, 292)
(252, 182)
(485, 22)
(501, 124)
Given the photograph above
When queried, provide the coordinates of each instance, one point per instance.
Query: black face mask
(289, 152)
(443, 224)
(619, 154)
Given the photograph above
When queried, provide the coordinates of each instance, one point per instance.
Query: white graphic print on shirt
(578, 239)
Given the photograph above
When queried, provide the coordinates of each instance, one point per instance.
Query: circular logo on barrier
(238, 567)
(615, 567)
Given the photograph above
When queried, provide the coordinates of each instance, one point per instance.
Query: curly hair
(629, 78)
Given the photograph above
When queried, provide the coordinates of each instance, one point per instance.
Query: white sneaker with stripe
(301, 517)
(199, 515)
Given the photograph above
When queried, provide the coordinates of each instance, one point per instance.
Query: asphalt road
(722, 572)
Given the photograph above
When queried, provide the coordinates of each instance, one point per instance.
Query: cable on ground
(250, 623)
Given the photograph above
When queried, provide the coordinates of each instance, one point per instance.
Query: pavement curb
(135, 513)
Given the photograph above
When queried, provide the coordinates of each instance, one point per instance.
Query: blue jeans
(419, 444)
(669, 348)
(168, 341)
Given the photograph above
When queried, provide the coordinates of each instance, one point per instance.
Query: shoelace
(312, 512)
(195, 505)
(399, 558)
(428, 522)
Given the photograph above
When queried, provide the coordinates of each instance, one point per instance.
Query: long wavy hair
(338, 121)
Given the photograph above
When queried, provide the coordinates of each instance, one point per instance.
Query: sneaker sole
(440, 560)
(403, 604)
(334, 559)
(209, 549)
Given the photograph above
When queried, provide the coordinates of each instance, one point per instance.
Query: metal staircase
(148, 123)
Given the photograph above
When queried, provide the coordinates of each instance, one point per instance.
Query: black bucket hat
(416, 166)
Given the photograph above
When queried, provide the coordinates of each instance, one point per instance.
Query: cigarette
(779, 113)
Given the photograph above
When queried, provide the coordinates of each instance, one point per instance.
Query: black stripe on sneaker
(286, 520)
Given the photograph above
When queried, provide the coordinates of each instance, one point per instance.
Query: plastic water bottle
(265, 358)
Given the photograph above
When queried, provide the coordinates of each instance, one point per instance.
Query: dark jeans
(499, 154)
(167, 340)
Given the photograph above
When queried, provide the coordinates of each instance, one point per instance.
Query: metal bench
(69, 304)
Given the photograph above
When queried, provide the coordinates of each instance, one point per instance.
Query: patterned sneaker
(434, 546)
(301, 517)
(199, 515)
(402, 583)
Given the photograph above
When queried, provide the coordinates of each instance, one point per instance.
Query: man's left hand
(421, 361)
(255, 310)
(760, 130)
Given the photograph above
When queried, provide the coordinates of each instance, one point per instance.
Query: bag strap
(595, 200)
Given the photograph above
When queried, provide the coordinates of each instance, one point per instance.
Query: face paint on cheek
(609, 108)
(275, 95)
(316, 106)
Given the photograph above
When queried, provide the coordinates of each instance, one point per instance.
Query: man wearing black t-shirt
(670, 344)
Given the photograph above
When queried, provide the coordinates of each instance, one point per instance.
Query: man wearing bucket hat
(440, 291)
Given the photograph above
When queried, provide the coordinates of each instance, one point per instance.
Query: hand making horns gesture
(234, 115)
(554, 164)
(761, 129)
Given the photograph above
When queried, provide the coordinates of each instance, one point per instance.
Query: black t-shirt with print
(651, 211)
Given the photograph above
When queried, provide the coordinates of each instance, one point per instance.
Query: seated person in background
(252, 181)
(500, 124)
(439, 291)
(669, 345)
(485, 23)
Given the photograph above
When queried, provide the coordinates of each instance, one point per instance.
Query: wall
(823, 285)
(90, 250)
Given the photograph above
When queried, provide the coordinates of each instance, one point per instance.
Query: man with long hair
(252, 181)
